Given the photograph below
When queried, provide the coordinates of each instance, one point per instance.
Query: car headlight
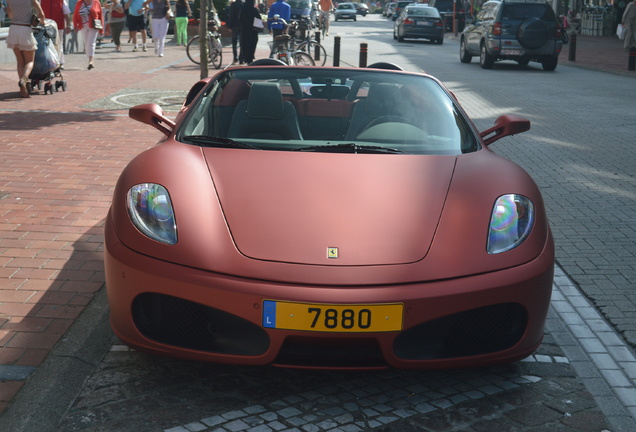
(510, 223)
(150, 210)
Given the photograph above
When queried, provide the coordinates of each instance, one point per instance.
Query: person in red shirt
(58, 11)
(325, 7)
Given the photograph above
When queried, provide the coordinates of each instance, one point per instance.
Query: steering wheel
(392, 119)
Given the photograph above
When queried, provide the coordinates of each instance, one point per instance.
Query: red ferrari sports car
(327, 218)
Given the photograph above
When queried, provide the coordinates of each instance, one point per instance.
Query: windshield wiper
(349, 148)
(213, 141)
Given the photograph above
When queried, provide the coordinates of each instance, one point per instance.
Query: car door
(478, 29)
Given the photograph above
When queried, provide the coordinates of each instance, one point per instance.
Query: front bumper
(177, 311)
(348, 15)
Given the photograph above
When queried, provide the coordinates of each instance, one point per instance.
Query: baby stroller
(46, 66)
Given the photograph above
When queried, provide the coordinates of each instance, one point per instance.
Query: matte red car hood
(297, 207)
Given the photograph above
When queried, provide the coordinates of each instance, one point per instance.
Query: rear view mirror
(504, 126)
(152, 114)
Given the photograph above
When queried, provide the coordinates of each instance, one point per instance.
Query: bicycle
(323, 22)
(215, 49)
(570, 27)
(309, 45)
(284, 48)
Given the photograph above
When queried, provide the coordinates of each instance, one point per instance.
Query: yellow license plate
(332, 317)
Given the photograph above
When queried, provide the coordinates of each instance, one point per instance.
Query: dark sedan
(419, 21)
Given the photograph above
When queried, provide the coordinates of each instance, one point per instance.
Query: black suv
(445, 8)
(513, 30)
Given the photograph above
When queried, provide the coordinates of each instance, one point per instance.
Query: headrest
(383, 99)
(265, 101)
(234, 92)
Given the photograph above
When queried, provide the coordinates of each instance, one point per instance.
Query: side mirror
(152, 114)
(504, 126)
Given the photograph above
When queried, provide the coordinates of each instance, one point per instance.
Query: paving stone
(533, 415)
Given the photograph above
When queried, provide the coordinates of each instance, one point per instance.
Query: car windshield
(521, 12)
(422, 11)
(327, 110)
(346, 6)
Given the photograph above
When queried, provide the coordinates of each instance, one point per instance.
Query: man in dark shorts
(136, 22)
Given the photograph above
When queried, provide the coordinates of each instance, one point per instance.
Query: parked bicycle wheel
(193, 49)
(303, 59)
(215, 51)
(310, 48)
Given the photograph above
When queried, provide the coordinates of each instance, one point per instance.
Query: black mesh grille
(330, 353)
(478, 331)
(182, 323)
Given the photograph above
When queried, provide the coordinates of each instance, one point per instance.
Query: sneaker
(144, 48)
(135, 49)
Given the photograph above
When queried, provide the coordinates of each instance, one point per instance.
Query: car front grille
(181, 323)
(342, 353)
(478, 331)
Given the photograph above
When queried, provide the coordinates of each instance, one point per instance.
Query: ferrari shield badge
(332, 252)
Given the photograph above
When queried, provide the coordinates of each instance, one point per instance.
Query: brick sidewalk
(60, 161)
(599, 53)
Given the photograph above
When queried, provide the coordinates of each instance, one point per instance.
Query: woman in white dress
(21, 38)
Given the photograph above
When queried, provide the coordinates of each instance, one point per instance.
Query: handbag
(620, 31)
(169, 14)
(34, 20)
(97, 24)
(258, 24)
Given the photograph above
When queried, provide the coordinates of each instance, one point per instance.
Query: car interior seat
(383, 99)
(264, 115)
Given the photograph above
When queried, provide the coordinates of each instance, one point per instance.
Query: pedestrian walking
(161, 12)
(629, 22)
(89, 19)
(21, 38)
(116, 21)
(276, 26)
(249, 35)
(182, 13)
(136, 22)
(58, 11)
(234, 25)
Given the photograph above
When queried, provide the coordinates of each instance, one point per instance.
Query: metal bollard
(363, 55)
(631, 60)
(317, 48)
(572, 49)
(336, 51)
